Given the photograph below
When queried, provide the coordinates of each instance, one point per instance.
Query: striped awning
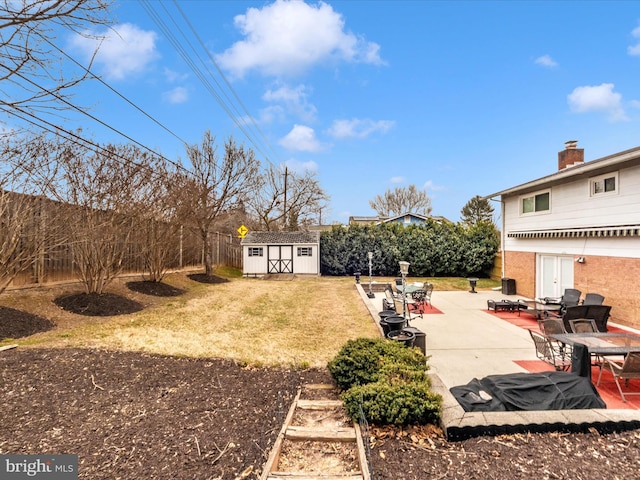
(620, 231)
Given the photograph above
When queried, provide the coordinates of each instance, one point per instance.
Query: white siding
(301, 265)
(306, 265)
(253, 265)
(571, 206)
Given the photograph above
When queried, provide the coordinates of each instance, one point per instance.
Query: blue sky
(460, 98)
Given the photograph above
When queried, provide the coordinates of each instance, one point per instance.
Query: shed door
(280, 259)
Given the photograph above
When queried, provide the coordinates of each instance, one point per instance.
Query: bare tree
(285, 199)
(30, 64)
(402, 200)
(158, 230)
(214, 186)
(106, 189)
(25, 222)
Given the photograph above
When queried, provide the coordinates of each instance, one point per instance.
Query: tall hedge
(433, 249)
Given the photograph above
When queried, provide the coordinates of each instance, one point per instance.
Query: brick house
(577, 228)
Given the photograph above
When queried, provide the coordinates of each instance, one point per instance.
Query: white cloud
(635, 103)
(176, 95)
(600, 98)
(288, 37)
(429, 186)
(397, 180)
(173, 77)
(294, 99)
(634, 49)
(301, 138)
(301, 167)
(356, 128)
(546, 61)
(124, 50)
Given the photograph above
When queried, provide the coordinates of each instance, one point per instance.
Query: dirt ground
(133, 415)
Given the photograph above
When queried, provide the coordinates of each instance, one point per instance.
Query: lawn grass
(301, 322)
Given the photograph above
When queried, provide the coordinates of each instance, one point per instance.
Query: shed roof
(280, 238)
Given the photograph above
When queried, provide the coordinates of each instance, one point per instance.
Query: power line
(226, 81)
(168, 32)
(157, 122)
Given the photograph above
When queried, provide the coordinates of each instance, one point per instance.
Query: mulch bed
(204, 278)
(97, 305)
(132, 415)
(157, 289)
(18, 324)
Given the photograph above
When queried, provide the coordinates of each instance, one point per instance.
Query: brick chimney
(570, 156)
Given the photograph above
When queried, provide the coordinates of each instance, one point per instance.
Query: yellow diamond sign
(242, 231)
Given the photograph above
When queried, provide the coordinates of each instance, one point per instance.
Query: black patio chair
(593, 299)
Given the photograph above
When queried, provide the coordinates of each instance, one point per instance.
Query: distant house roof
(280, 238)
(402, 218)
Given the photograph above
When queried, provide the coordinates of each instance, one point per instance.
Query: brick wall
(521, 266)
(618, 279)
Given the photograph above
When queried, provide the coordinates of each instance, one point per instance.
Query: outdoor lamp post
(370, 294)
(404, 270)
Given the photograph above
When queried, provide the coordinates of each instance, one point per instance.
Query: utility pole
(286, 173)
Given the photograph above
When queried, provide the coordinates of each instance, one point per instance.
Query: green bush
(387, 381)
(401, 404)
(361, 361)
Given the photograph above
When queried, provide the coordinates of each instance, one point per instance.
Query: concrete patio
(467, 342)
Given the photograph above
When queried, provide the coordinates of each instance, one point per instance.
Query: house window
(539, 202)
(255, 251)
(604, 184)
(304, 251)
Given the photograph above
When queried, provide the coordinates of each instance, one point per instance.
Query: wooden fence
(56, 264)
(34, 233)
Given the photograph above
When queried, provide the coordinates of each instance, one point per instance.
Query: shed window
(305, 251)
(255, 251)
(539, 202)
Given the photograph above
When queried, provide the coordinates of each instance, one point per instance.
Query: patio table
(411, 287)
(541, 309)
(596, 343)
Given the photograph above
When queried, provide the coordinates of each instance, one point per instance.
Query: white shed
(281, 252)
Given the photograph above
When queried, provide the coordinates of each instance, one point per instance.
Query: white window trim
(530, 195)
(593, 180)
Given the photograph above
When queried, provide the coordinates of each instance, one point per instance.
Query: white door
(555, 274)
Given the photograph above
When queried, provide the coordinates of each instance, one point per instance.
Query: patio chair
(388, 302)
(587, 325)
(546, 351)
(583, 325)
(574, 313)
(627, 370)
(600, 314)
(549, 326)
(428, 290)
(418, 304)
(593, 299)
(570, 298)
